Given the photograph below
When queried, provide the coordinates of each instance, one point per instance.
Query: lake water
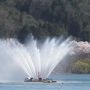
(64, 82)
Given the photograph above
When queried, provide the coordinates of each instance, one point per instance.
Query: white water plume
(37, 61)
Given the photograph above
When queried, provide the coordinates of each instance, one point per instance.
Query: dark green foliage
(81, 66)
(43, 18)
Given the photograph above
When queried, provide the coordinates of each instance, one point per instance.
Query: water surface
(64, 82)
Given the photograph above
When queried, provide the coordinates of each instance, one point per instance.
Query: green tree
(81, 66)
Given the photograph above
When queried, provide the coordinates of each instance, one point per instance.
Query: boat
(39, 80)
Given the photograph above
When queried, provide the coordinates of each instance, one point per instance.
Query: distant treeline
(74, 65)
(81, 66)
(43, 18)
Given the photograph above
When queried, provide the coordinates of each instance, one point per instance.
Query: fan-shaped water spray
(37, 60)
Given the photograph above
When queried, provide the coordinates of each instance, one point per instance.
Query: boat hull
(39, 80)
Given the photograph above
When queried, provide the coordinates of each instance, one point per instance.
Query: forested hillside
(43, 18)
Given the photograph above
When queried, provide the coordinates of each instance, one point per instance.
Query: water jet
(36, 59)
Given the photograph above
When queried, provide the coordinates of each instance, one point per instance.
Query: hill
(43, 18)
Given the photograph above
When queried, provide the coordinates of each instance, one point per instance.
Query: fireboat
(31, 79)
(39, 80)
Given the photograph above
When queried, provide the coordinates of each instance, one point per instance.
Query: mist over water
(32, 59)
